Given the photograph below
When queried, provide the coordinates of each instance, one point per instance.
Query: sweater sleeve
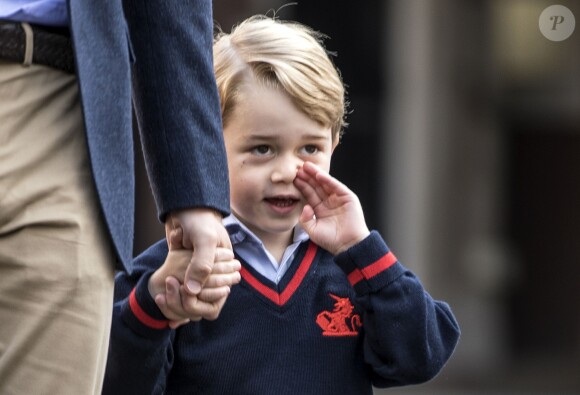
(140, 346)
(408, 336)
(177, 104)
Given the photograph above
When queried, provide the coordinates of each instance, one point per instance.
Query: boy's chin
(282, 226)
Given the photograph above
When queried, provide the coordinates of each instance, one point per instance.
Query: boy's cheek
(324, 163)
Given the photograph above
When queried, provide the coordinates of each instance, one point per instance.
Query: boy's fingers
(161, 301)
(332, 186)
(177, 324)
(226, 267)
(310, 168)
(213, 295)
(308, 191)
(179, 307)
(222, 280)
(195, 307)
(223, 254)
(306, 217)
(211, 310)
(317, 185)
(170, 302)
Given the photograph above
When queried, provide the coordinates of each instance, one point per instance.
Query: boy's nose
(285, 170)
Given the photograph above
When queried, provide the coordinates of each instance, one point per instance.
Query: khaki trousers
(56, 260)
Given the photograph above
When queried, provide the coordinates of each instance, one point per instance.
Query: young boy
(323, 306)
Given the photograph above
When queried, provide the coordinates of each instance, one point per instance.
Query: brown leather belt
(50, 46)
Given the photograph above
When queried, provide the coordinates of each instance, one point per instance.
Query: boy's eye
(261, 150)
(310, 149)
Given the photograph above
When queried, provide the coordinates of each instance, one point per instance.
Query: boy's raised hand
(333, 216)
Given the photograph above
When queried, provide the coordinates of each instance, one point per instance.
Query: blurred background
(464, 148)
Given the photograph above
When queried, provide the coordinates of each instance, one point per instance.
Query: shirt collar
(239, 232)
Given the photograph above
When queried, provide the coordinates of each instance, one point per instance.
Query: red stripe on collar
(281, 298)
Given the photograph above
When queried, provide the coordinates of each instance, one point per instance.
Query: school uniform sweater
(332, 325)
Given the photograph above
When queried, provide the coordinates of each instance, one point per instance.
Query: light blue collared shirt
(41, 12)
(248, 246)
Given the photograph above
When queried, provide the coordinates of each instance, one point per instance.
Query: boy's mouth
(282, 205)
(282, 201)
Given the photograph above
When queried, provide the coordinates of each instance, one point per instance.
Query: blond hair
(280, 54)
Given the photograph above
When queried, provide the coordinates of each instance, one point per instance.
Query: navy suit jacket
(158, 53)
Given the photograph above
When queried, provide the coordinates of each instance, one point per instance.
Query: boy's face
(267, 139)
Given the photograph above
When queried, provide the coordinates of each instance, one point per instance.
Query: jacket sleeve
(408, 336)
(141, 343)
(177, 104)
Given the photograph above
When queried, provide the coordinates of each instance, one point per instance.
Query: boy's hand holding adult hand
(202, 232)
(178, 305)
(333, 216)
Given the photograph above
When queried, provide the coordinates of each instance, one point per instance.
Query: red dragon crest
(340, 321)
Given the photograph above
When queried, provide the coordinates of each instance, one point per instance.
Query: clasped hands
(195, 279)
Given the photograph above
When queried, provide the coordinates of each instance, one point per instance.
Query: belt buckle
(28, 44)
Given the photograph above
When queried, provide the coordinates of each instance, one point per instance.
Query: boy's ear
(335, 143)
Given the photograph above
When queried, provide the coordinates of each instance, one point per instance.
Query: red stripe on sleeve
(355, 276)
(380, 265)
(388, 260)
(142, 316)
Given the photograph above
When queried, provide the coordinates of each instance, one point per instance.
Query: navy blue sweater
(333, 325)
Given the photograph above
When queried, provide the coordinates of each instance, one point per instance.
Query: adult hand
(180, 307)
(202, 232)
(333, 216)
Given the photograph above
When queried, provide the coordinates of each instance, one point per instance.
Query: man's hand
(332, 216)
(177, 305)
(180, 307)
(202, 232)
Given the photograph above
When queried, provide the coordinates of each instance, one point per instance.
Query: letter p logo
(557, 23)
(558, 19)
